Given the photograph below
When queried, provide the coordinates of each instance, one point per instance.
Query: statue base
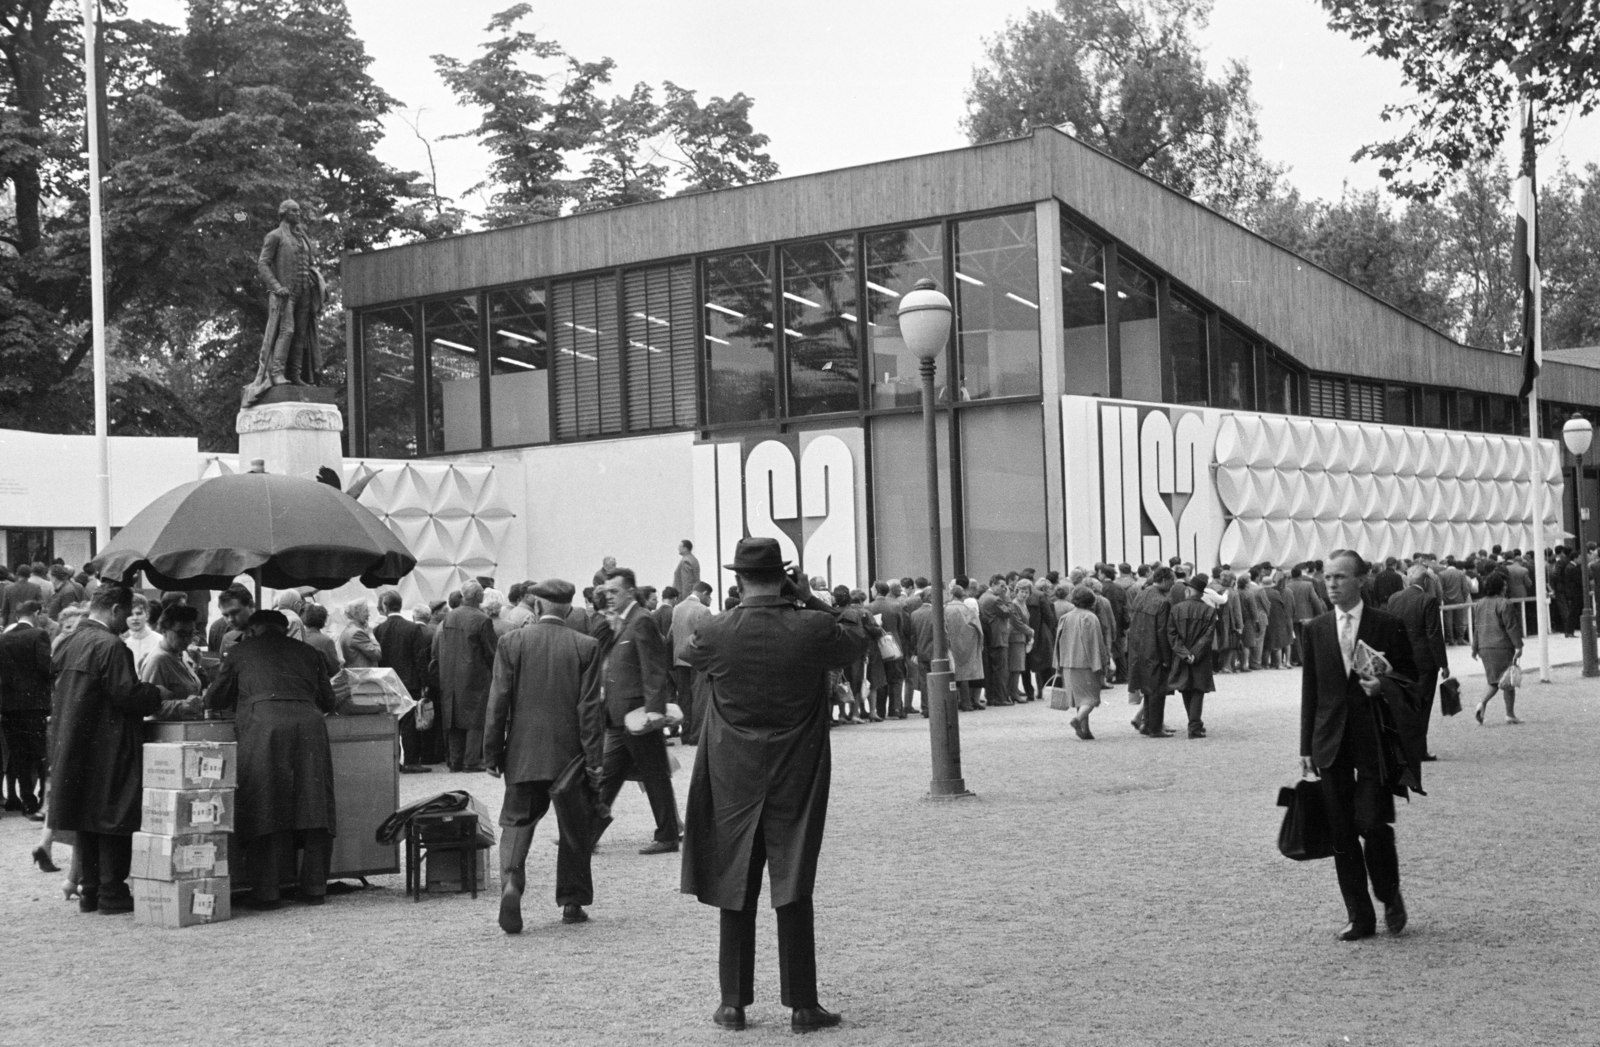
(293, 437)
(291, 394)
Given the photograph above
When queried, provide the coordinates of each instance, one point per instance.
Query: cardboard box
(442, 871)
(199, 856)
(180, 903)
(183, 812)
(191, 765)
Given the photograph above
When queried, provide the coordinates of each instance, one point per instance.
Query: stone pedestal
(293, 438)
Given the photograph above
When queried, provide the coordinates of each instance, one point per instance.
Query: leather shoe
(1165, 732)
(113, 906)
(730, 1018)
(511, 909)
(810, 1019)
(660, 847)
(573, 914)
(1394, 914)
(41, 858)
(1354, 932)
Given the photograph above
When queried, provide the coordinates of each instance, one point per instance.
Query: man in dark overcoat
(1190, 630)
(25, 707)
(1150, 647)
(463, 658)
(279, 691)
(1419, 610)
(544, 713)
(96, 751)
(406, 649)
(759, 793)
(635, 676)
(1351, 737)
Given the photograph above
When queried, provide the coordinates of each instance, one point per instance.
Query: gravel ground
(1125, 891)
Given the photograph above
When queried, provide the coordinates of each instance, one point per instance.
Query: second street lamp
(924, 316)
(1577, 434)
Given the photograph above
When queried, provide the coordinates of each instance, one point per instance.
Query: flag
(1526, 259)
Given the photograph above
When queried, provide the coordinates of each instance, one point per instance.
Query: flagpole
(1527, 208)
(97, 299)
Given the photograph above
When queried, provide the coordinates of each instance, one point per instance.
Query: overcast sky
(845, 82)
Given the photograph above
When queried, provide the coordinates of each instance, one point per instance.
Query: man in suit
(686, 617)
(1304, 605)
(1387, 582)
(759, 795)
(25, 707)
(1150, 650)
(463, 660)
(544, 712)
(636, 676)
(1189, 632)
(921, 653)
(1454, 589)
(1347, 731)
(19, 592)
(66, 591)
(288, 266)
(997, 615)
(405, 649)
(1424, 629)
(687, 573)
(886, 700)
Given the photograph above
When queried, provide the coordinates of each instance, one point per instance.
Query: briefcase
(1304, 835)
(1450, 697)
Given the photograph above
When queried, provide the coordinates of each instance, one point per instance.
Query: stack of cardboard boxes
(180, 856)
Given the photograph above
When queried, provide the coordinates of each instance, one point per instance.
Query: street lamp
(924, 316)
(1576, 434)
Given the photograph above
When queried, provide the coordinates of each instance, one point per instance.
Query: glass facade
(741, 381)
(1186, 364)
(659, 325)
(997, 306)
(451, 338)
(519, 367)
(895, 261)
(1083, 313)
(587, 363)
(900, 495)
(821, 328)
(1139, 333)
(1233, 377)
(389, 349)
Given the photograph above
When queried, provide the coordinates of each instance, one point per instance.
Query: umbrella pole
(255, 575)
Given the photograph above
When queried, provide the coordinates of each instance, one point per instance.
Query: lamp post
(1577, 434)
(924, 316)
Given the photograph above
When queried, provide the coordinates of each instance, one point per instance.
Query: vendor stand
(284, 532)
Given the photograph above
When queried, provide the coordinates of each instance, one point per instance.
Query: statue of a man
(288, 265)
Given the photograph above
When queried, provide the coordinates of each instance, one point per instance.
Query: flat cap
(555, 590)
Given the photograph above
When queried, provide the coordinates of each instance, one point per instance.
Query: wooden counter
(366, 788)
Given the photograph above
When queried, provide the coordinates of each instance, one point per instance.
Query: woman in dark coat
(1042, 620)
(280, 690)
(1279, 632)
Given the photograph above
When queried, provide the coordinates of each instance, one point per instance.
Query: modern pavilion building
(1130, 376)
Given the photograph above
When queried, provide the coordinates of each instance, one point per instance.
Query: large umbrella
(285, 531)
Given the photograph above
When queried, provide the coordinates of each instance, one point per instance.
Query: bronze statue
(288, 265)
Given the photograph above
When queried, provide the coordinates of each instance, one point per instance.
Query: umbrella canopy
(289, 531)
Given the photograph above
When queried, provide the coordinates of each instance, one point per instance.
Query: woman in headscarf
(1081, 658)
(964, 636)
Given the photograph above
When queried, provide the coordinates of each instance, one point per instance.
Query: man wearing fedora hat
(544, 712)
(1190, 632)
(759, 792)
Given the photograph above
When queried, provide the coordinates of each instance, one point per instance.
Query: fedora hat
(757, 554)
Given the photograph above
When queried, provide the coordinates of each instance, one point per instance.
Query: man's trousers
(1360, 813)
(272, 861)
(683, 680)
(466, 748)
(797, 944)
(103, 860)
(646, 753)
(996, 677)
(525, 803)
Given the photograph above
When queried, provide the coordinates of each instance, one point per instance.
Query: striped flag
(1526, 261)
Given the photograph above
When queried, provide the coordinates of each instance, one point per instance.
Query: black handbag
(1450, 697)
(1304, 835)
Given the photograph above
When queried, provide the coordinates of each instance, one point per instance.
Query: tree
(1468, 62)
(1126, 77)
(542, 114)
(1569, 228)
(211, 126)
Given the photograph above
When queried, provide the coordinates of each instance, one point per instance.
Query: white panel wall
(47, 480)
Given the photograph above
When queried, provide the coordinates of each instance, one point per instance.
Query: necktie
(1347, 638)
